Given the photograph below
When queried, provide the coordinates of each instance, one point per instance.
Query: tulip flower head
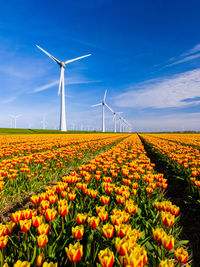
(42, 240)
(181, 255)
(78, 231)
(93, 222)
(106, 257)
(25, 225)
(81, 218)
(74, 252)
(108, 230)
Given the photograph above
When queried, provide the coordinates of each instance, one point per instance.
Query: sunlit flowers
(106, 257)
(104, 199)
(78, 231)
(181, 255)
(108, 230)
(3, 241)
(42, 240)
(93, 222)
(25, 225)
(74, 252)
(50, 214)
(81, 218)
(167, 218)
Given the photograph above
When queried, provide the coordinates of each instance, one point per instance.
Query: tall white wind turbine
(61, 84)
(103, 103)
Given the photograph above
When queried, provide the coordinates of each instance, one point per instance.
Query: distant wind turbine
(44, 123)
(61, 83)
(103, 103)
(15, 119)
(114, 118)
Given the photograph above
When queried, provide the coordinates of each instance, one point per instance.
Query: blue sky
(145, 53)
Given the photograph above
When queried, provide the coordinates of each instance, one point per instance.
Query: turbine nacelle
(63, 65)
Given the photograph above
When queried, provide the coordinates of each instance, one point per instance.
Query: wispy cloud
(45, 87)
(188, 58)
(163, 92)
(184, 57)
(9, 100)
(191, 51)
(72, 80)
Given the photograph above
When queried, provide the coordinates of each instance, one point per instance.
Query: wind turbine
(44, 123)
(15, 118)
(61, 84)
(103, 103)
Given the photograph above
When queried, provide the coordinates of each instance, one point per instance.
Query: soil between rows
(177, 192)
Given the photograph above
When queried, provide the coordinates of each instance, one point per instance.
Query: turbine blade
(109, 108)
(105, 96)
(52, 57)
(96, 105)
(77, 58)
(61, 78)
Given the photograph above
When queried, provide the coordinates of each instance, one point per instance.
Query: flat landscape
(99, 199)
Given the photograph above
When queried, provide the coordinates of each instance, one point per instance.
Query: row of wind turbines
(121, 120)
(61, 89)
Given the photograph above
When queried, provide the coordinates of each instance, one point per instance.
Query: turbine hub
(63, 65)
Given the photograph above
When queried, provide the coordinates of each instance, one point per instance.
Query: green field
(8, 131)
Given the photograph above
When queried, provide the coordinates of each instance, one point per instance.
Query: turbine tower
(15, 119)
(61, 84)
(44, 123)
(103, 103)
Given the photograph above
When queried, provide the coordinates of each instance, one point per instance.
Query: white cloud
(45, 87)
(193, 50)
(9, 100)
(72, 80)
(188, 58)
(184, 57)
(163, 93)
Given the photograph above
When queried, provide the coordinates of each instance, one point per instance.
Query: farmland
(99, 199)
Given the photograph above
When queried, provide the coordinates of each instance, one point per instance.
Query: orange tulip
(71, 196)
(167, 218)
(93, 193)
(121, 245)
(103, 216)
(104, 200)
(42, 240)
(81, 218)
(181, 255)
(63, 210)
(106, 257)
(50, 214)
(43, 229)
(166, 263)
(25, 225)
(122, 229)
(93, 222)
(16, 217)
(108, 230)
(74, 252)
(35, 199)
(78, 231)
(168, 242)
(40, 259)
(3, 241)
(36, 221)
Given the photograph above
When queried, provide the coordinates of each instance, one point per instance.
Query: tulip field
(93, 200)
